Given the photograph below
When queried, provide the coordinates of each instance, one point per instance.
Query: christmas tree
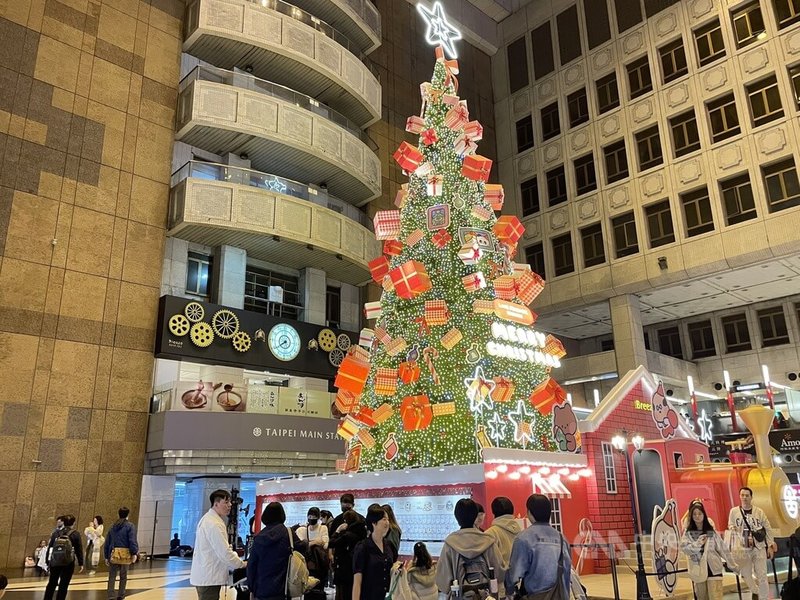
(452, 365)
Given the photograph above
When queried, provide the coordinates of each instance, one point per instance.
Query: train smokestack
(758, 420)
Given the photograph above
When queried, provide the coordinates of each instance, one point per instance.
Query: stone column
(626, 323)
(313, 287)
(230, 264)
(350, 308)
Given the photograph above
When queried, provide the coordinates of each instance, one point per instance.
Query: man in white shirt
(213, 556)
(745, 523)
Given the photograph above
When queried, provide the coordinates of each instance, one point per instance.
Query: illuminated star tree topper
(440, 31)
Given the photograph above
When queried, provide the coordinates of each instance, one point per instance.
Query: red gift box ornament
(378, 268)
(346, 401)
(387, 224)
(436, 312)
(409, 372)
(392, 247)
(416, 412)
(352, 374)
(508, 229)
(547, 394)
(505, 287)
(441, 238)
(410, 279)
(364, 417)
(494, 195)
(415, 124)
(476, 167)
(457, 116)
(408, 157)
(503, 389)
(429, 137)
(553, 346)
(385, 381)
(528, 285)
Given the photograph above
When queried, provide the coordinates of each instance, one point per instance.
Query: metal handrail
(264, 181)
(326, 29)
(250, 82)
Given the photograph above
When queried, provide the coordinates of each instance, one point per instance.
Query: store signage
(178, 430)
(785, 441)
(747, 387)
(645, 406)
(213, 334)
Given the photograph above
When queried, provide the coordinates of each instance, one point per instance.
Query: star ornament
(276, 185)
(497, 428)
(523, 423)
(440, 31)
(705, 424)
(479, 390)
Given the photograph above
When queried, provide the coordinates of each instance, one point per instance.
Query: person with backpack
(373, 558)
(504, 530)
(540, 556)
(65, 550)
(268, 565)
(421, 574)
(467, 556)
(120, 551)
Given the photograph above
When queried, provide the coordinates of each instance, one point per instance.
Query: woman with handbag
(121, 550)
(94, 542)
(706, 551)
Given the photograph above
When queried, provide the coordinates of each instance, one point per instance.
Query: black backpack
(63, 553)
(473, 575)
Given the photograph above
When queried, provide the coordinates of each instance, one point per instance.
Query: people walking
(94, 542)
(121, 550)
(373, 559)
(213, 556)
(752, 544)
(65, 549)
(706, 551)
(504, 530)
(421, 574)
(539, 554)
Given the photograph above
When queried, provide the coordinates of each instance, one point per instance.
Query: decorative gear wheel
(326, 339)
(202, 334)
(195, 312)
(343, 342)
(336, 356)
(225, 323)
(179, 325)
(241, 341)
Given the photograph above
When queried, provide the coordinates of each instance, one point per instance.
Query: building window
(272, 293)
(616, 162)
(737, 337)
(609, 468)
(697, 212)
(517, 54)
(585, 176)
(787, 12)
(685, 138)
(198, 274)
(639, 80)
(669, 342)
(555, 514)
(563, 260)
(765, 101)
(737, 199)
(673, 61)
(659, 224)
(748, 24)
(529, 190)
(556, 186)
(625, 240)
(606, 345)
(534, 254)
(648, 146)
(524, 133)
(593, 251)
(709, 43)
(607, 93)
(724, 120)
(783, 189)
(794, 76)
(701, 339)
(551, 126)
(578, 107)
(773, 326)
(333, 306)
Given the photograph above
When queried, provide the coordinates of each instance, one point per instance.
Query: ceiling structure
(721, 291)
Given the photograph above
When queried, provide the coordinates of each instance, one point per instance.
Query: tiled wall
(87, 99)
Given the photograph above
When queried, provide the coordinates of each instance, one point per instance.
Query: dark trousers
(208, 592)
(344, 591)
(59, 576)
(112, 592)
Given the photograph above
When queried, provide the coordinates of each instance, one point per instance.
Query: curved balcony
(290, 47)
(279, 133)
(358, 20)
(272, 218)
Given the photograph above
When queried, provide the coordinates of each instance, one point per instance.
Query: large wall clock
(284, 342)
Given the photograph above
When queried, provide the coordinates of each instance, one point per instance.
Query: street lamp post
(620, 442)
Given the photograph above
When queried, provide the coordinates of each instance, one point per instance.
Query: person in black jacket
(350, 533)
(122, 535)
(269, 559)
(60, 576)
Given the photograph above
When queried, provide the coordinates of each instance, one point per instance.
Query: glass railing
(299, 14)
(265, 181)
(249, 82)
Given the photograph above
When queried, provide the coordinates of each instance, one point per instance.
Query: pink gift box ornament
(387, 224)
(415, 125)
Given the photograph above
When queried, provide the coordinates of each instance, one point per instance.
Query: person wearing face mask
(346, 502)
(315, 533)
(317, 556)
(373, 559)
